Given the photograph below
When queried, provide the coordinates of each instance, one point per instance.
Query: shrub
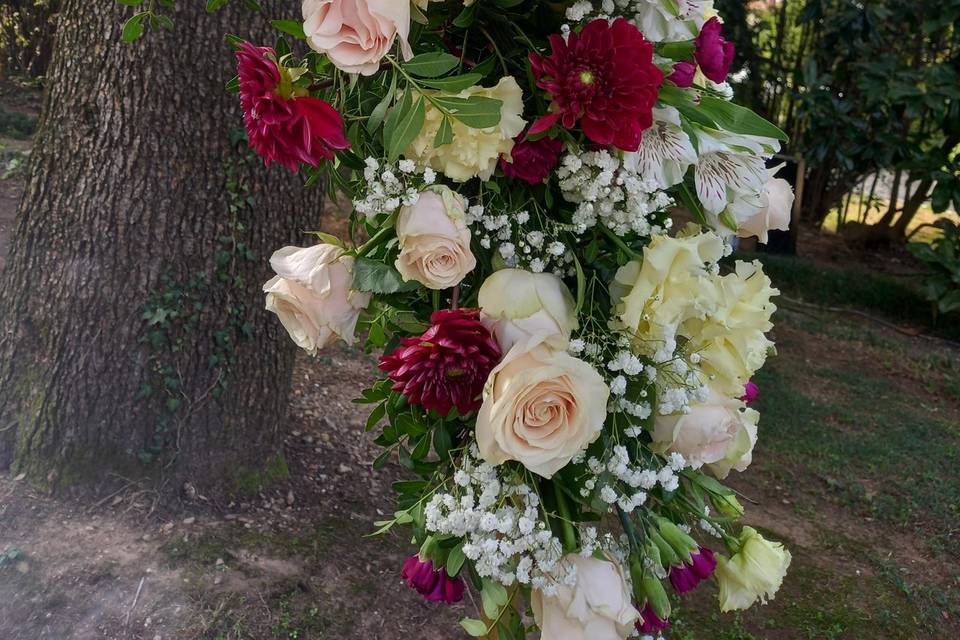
(942, 257)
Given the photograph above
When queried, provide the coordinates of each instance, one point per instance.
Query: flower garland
(566, 375)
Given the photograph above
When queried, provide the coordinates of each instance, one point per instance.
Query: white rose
(598, 607)
(719, 433)
(541, 407)
(775, 211)
(516, 305)
(434, 240)
(311, 295)
(356, 34)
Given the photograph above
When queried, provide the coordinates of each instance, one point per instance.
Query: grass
(855, 289)
(19, 126)
(860, 211)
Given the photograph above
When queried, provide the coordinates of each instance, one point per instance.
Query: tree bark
(133, 340)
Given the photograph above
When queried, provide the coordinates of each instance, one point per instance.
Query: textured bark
(128, 210)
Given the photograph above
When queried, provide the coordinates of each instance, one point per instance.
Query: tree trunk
(133, 340)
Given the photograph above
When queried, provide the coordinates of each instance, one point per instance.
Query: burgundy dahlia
(283, 124)
(649, 623)
(533, 160)
(604, 77)
(713, 53)
(690, 574)
(433, 584)
(448, 365)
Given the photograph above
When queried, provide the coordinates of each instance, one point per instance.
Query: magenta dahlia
(448, 365)
(713, 53)
(603, 77)
(284, 125)
(533, 160)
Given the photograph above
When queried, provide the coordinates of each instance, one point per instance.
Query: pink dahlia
(448, 365)
(533, 160)
(604, 77)
(713, 53)
(284, 125)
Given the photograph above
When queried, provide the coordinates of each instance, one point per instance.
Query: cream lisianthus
(754, 572)
(672, 20)
(473, 152)
(597, 607)
(732, 340)
(434, 240)
(517, 305)
(312, 295)
(719, 433)
(356, 34)
(541, 407)
(666, 288)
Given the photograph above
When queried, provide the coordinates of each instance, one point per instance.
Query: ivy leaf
(431, 65)
(377, 277)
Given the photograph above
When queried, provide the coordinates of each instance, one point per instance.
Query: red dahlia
(604, 77)
(532, 160)
(448, 365)
(283, 125)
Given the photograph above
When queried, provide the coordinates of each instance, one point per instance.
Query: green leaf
(692, 203)
(376, 416)
(478, 112)
(444, 133)
(677, 50)
(379, 111)
(407, 128)
(377, 277)
(431, 65)
(216, 5)
(474, 627)
(290, 27)
(442, 442)
(455, 561)
(737, 119)
(453, 84)
(133, 28)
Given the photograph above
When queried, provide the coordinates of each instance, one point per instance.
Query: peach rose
(357, 34)
(311, 295)
(775, 212)
(541, 407)
(598, 607)
(434, 240)
(719, 433)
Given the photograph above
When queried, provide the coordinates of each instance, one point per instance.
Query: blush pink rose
(357, 34)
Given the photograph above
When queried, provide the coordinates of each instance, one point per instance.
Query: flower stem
(617, 241)
(569, 535)
(378, 237)
(455, 297)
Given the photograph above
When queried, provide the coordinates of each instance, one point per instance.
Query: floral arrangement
(565, 374)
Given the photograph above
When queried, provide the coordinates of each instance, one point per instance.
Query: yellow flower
(755, 571)
(473, 152)
(667, 287)
(731, 339)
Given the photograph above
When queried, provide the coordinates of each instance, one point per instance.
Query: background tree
(132, 335)
(26, 36)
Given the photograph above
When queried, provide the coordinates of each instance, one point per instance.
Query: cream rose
(719, 433)
(775, 212)
(357, 34)
(541, 407)
(756, 571)
(517, 305)
(598, 607)
(311, 295)
(434, 240)
(731, 339)
(473, 152)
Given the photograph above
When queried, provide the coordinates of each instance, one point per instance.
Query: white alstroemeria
(665, 151)
(671, 20)
(731, 173)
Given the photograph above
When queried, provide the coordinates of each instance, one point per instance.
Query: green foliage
(942, 256)
(17, 125)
